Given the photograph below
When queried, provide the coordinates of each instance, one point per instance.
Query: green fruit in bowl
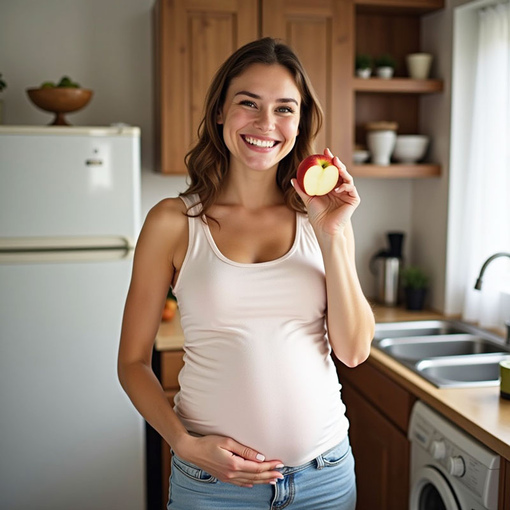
(47, 85)
(66, 82)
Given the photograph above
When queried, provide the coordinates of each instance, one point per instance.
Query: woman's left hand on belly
(229, 461)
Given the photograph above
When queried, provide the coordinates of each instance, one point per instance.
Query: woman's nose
(265, 121)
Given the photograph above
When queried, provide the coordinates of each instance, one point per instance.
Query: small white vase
(385, 72)
(418, 65)
(381, 145)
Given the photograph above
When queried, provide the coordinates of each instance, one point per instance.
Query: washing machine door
(431, 491)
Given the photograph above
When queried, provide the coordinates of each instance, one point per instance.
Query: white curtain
(486, 228)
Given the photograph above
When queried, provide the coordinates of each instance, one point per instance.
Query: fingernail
(273, 482)
(278, 466)
(260, 457)
(292, 182)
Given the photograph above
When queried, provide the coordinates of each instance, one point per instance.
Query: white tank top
(257, 360)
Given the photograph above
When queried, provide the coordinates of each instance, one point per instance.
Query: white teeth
(259, 143)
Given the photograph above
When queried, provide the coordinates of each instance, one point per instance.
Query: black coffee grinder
(386, 266)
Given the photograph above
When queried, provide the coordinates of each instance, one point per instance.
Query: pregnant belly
(290, 411)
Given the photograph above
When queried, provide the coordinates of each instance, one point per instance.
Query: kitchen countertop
(479, 411)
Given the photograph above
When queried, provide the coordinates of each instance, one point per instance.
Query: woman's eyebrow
(256, 96)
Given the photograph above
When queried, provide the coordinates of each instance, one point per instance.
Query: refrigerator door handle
(64, 249)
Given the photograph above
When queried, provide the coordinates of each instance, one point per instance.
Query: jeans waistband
(318, 462)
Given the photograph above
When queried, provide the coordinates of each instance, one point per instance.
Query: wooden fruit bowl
(60, 100)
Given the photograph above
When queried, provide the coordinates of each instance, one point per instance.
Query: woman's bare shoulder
(168, 210)
(167, 219)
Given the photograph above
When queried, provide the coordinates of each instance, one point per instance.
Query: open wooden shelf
(397, 85)
(396, 170)
(415, 6)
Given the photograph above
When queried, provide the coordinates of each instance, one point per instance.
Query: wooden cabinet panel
(504, 485)
(381, 452)
(193, 37)
(171, 364)
(320, 33)
(390, 399)
(378, 410)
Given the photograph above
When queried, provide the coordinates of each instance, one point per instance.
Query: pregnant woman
(267, 287)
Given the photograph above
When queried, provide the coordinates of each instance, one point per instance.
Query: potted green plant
(3, 86)
(363, 65)
(385, 66)
(415, 282)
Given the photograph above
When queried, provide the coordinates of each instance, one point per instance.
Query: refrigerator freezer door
(70, 437)
(69, 182)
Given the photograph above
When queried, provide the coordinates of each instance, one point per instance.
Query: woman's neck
(252, 190)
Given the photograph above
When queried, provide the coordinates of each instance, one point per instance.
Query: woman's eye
(248, 103)
(284, 109)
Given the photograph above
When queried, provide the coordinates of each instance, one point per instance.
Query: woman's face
(260, 117)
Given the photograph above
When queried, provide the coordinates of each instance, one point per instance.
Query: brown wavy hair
(208, 160)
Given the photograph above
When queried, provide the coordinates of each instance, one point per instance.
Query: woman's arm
(158, 256)
(153, 269)
(350, 319)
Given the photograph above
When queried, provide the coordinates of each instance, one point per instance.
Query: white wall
(430, 196)
(105, 45)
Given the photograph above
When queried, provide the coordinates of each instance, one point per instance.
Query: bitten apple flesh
(317, 175)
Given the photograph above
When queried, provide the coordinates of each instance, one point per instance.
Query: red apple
(317, 175)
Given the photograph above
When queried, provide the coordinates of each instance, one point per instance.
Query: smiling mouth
(265, 144)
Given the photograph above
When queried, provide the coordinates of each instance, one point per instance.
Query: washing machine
(450, 470)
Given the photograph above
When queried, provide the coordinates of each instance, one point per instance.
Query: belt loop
(320, 462)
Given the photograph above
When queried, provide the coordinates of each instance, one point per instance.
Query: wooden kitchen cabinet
(320, 32)
(378, 410)
(193, 37)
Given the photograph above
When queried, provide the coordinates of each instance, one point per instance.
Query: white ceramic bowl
(360, 156)
(410, 148)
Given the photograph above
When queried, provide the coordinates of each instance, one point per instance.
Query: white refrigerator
(69, 217)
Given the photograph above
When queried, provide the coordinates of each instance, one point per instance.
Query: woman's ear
(219, 117)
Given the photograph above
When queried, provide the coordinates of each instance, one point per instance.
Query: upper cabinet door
(320, 32)
(192, 38)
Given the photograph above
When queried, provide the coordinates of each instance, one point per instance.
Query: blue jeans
(327, 482)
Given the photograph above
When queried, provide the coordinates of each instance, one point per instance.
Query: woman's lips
(259, 142)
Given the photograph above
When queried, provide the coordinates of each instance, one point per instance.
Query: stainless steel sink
(418, 328)
(421, 347)
(462, 371)
(446, 353)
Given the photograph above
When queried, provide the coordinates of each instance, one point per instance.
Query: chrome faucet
(478, 284)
